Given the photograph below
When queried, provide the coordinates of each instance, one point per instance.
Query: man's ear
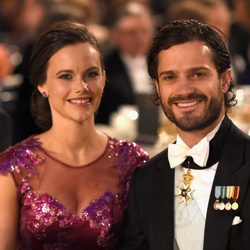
(156, 83)
(226, 79)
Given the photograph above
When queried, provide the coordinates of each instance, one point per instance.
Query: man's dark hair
(181, 31)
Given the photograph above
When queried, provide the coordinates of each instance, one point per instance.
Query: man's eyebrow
(164, 72)
(199, 68)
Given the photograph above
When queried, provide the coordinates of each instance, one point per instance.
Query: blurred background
(125, 29)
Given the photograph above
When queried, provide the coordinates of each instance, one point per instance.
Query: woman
(66, 188)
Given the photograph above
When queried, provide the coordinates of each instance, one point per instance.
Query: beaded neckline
(80, 166)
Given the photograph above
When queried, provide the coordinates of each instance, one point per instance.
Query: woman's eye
(91, 74)
(66, 77)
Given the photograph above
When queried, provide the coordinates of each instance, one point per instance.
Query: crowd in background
(125, 29)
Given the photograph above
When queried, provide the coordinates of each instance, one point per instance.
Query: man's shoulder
(236, 132)
(157, 162)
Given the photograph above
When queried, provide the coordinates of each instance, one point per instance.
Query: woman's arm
(8, 212)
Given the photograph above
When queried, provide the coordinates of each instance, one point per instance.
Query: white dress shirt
(138, 73)
(190, 218)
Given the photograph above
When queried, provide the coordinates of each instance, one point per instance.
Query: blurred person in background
(185, 9)
(107, 9)
(31, 16)
(239, 43)
(9, 11)
(232, 18)
(219, 15)
(125, 64)
(67, 187)
(5, 130)
(6, 67)
(5, 119)
(214, 12)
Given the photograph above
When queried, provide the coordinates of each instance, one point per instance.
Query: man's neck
(191, 138)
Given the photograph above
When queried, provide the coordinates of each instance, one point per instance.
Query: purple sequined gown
(44, 182)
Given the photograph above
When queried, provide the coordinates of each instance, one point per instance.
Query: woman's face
(74, 83)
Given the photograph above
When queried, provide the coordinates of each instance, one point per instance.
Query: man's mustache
(191, 96)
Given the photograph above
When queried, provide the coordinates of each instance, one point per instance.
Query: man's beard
(191, 121)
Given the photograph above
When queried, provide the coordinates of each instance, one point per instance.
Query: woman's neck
(76, 146)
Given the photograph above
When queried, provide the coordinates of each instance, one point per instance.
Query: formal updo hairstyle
(51, 41)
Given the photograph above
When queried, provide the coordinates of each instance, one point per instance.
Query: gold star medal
(185, 191)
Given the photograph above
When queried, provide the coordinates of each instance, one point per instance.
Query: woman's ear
(43, 90)
(104, 78)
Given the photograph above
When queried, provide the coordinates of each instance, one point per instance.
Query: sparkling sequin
(46, 224)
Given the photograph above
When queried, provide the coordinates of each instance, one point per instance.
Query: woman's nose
(82, 85)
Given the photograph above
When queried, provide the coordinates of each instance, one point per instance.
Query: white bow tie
(177, 153)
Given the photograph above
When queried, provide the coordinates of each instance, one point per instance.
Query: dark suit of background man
(174, 203)
(5, 130)
(125, 64)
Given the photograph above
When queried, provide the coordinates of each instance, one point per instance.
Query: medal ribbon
(229, 192)
(236, 193)
(222, 192)
(217, 192)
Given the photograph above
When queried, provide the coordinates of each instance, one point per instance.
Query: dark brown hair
(52, 40)
(181, 31)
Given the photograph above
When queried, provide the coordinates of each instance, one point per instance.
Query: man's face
(190, 90)
(133, 34)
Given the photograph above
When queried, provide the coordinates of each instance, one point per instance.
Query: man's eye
(199, 74)
(168, 77)
(65, 77)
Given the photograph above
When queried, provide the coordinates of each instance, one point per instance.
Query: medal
(229, 196)
(222, 194)
(228, 206)
(185, 191)
(236, 193)
(217, 196)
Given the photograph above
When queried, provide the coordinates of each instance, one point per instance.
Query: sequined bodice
(45, 223)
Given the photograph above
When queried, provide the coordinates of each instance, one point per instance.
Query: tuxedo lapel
(230, 172)
(163, 203)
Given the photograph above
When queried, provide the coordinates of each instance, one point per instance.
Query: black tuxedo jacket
(118, 90)
(150, 217)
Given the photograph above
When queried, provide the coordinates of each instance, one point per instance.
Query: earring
(44, 94)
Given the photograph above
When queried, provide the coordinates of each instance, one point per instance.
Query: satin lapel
(229, 173)
(164, 201)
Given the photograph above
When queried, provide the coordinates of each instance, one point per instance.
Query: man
(125, 65)
(174, 203)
